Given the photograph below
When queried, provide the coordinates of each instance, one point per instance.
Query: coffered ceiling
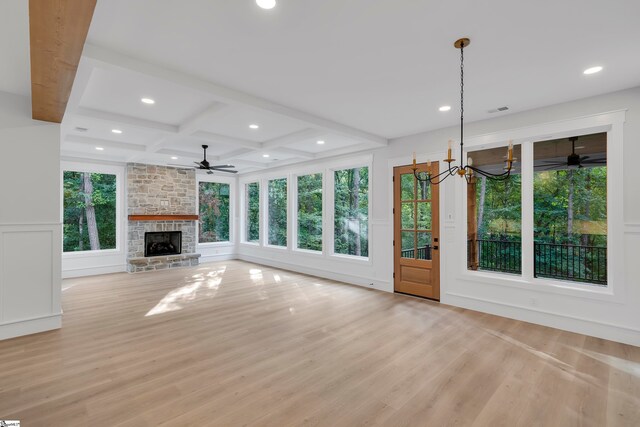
(352, 74)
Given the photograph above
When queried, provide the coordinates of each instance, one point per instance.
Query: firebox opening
(162, 243)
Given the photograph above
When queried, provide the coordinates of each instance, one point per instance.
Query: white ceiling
(351, 73)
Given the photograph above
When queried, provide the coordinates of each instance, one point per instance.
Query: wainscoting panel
(30, 264)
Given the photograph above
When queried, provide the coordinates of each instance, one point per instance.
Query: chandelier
(467, 171)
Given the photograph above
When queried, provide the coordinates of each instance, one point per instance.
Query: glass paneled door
(416, 233)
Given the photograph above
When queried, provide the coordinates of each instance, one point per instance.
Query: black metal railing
(571, 262)
(423, 253)
(567, 262)
(499, 255)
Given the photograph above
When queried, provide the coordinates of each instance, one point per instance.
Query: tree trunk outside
(570, 209)
(483, 192)
(587, 205)
(92, 226)
(81, 230)
(356, 211)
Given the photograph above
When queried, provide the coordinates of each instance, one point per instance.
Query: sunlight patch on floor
(205, 285)
(627, 366)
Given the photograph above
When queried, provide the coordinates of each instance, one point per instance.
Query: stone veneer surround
(160, 190)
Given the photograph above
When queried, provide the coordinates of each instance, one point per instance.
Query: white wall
(616, 317)
(30, 229)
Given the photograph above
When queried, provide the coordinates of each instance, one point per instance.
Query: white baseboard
(30, 326)
(93, 271)
(366, 282)
(541, 317)
(213, 258)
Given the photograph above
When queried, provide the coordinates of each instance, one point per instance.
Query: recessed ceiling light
(265, 156)
(445, 108)
(148, 101)
(266, 4)
(118, 131)
(254, 126)
(320, 142)
(174, 158)
(99, 148)
(593, 70)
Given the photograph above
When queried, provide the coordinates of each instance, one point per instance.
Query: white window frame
(244, 206)
(327, 168)
(295, 212)
(331, 211)
(612, 123)
(118, 171)
(231, 181)
(264, 229)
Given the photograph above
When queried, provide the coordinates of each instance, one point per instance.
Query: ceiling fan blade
(583, 158)
(599, 161)
(223, 170)
(223, 166)
(553, 164)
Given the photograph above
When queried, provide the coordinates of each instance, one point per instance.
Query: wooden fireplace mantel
(163, 217)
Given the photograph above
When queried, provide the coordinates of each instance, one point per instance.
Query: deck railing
(424, 252)
(566, 262)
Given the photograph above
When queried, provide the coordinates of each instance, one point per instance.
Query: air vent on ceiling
(79, 129)
(499, 109)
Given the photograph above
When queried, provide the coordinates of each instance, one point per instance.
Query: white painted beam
(126, 120)
(105, 143)
(227, 140)
(214, 110)
(292, 138)
(297, 153)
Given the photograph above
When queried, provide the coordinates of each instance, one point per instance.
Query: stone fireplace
(161, 203)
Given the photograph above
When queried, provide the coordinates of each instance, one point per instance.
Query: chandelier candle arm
(467, 171)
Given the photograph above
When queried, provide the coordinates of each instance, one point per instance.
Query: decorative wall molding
(632, 228)
(363, 281)
(551, 319)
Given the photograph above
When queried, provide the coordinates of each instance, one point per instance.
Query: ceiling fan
(574, 160)
(204, 165)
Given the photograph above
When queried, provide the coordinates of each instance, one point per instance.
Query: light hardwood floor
(234, 343)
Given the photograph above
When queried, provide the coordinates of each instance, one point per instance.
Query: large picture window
(351, 212)
(570, 209)
(277, 212)
(494, 215)
(252, 212)
(214, 212)
(89, 211)
(310, 212)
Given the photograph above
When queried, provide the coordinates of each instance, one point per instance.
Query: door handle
(435, 248)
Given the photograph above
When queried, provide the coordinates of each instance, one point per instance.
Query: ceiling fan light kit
(467, 171)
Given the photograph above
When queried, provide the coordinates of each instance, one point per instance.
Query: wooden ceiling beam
(58, 30)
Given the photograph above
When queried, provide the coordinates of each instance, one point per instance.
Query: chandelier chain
(461, 98)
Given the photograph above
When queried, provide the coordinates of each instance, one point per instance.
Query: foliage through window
(570, 209)
(351, 212)
(89, 211)
(214, 212)
(252, 212)
(494, 215)
(310, 212)
(277, 212)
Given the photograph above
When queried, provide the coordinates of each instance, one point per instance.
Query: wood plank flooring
(235, 344)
